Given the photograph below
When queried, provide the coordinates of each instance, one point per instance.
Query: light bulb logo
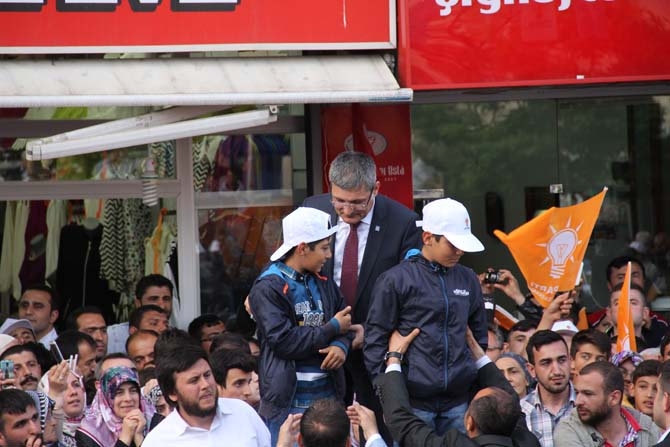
(560, 248)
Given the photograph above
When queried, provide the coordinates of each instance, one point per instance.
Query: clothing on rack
(78, 277)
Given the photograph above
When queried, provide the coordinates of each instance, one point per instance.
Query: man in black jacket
(494, 417)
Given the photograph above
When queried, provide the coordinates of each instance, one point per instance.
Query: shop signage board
(381, 131)
(105, 26)
(453, 44)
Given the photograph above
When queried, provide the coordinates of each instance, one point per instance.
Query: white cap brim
(465, 242)
(286, 247)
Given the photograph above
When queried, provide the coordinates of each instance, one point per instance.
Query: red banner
(447, 44)
(381, 131)
(70, 26)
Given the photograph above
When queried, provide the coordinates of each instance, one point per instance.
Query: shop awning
(205, 81)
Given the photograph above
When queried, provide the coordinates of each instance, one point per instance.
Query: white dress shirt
(52, 335)
(235, 424)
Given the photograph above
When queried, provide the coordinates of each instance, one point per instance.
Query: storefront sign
(77, 26)
(447, 44)
(380, 131)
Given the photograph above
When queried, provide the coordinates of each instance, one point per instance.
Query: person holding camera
(504, 280)
(431, 290)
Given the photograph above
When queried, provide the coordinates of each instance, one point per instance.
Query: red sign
(75, 26)
(448, 44)
(381, 131)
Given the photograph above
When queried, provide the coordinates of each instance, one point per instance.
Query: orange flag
(549, 249)
(625, 340)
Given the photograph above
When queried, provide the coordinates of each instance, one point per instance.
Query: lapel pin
(377, 228)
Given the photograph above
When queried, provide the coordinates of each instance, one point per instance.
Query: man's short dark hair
(664, 379)
(15, 402)
(18, 349)
(42, 287)
(223, 361)
(646, 368)
(68, 342)
(622, 261)
(591, 337)
(140, 333)
(633, 286)
(523, 326)
(146, 375)
(71, 321)
(230, 341)
(539, 339)
(153, 280)
(170, 337)
(312, 246)
(176, 355)
(496, 413)
(612, 377)
(42, 354)
(205, 320)
(135, 318)
(325, 424)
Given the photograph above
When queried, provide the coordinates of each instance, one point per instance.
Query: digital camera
(493, 277)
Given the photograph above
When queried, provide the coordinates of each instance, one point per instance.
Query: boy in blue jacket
(432, 291)
(302, 322)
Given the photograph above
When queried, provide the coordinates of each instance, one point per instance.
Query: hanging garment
(157, 247)
(35, 237)
(7, 248)
(164, 154)
(78, 277)
(56, 219)
(126, 224)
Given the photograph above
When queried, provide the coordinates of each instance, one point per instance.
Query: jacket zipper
(446, 336)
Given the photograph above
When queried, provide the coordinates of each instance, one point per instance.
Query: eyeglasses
(493, 348)
(356, 205)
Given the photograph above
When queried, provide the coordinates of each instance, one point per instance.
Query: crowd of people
(368, 332)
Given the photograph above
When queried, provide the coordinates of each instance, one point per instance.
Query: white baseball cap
(11, 324)
(449, 218)
(565, 327)
(303, 225)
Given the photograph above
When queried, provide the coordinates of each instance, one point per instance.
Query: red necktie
(349, 275)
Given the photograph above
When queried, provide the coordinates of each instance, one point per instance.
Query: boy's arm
(275, 318)
(382, 320)
(477, 320)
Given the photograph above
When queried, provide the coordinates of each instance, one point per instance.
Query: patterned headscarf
(100, 422)
(42, 404)
(154, 394)
(620, 357)
(522, 364)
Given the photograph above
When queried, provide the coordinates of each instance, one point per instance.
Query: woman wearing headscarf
(513, 366)
(66, 390)
(119, 415)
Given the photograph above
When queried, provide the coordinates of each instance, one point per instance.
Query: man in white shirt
(38, 305)
(662, 405)
(201, 418)
(152, 289)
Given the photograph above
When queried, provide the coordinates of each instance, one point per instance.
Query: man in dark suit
(384, 231)
(662, 405)
(494, 417)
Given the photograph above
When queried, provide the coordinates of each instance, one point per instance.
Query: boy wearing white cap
(302, 322)
(432, 291)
